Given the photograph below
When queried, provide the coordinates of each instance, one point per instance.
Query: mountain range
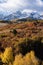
(20, 15)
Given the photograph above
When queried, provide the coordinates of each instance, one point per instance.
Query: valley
(21, 40)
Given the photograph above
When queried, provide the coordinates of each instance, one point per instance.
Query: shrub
(28, 59)
(18, 60)
(14, 31)
(8, 55)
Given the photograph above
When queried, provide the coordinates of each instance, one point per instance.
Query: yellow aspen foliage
(18, 60)
(35, 60)
(8, 55)
(28, 59)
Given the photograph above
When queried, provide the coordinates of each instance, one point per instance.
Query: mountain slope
(20, 15)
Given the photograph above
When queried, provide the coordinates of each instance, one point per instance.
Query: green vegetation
(14, 31)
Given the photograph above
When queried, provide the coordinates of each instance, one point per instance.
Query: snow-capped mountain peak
(34, 15)
(20, 14)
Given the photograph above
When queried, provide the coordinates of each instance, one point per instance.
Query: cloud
(10, 4)
(2, 1)
(28, 11)
(39, 2)
(25, 5)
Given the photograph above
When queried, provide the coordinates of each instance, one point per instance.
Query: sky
(8, 6)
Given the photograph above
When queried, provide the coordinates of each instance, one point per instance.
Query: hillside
(23, 41)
